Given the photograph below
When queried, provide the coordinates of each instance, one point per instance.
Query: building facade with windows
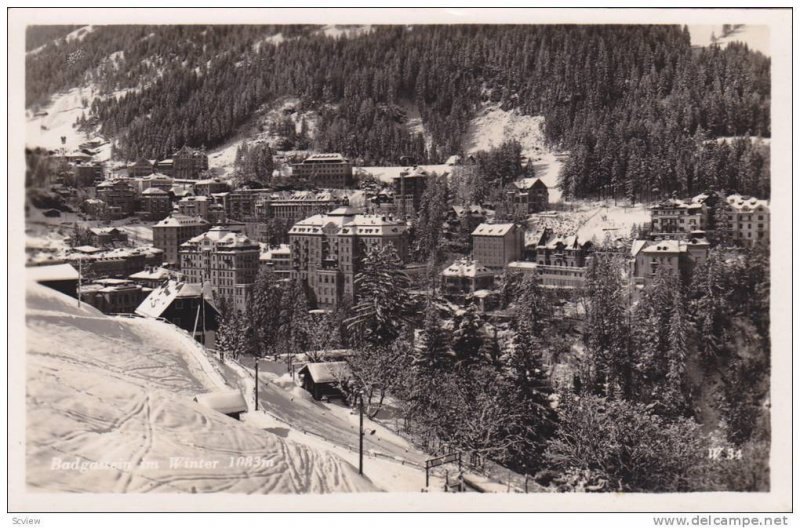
(531, 196)
(189, 163)
(327, 249)
(171, 232)
(561, 261)
(277, 259)
(495, 245)
(464, 276)
(296, 206)
(678, 257)
(155, 204)
(745, 220)
(119, 197)
(325, 171)
(225, 259)
(675, 218)
(408, 191)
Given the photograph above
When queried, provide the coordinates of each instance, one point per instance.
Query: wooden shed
(325, 379)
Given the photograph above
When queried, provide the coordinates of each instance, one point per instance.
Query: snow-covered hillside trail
(109, 409)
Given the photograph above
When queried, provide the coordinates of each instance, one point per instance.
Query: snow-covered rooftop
(223, 401)
(467, 267)
(329, 372)
(492, 229)
(177, 220)
(747, 203)
(57, 272)
(162, 297)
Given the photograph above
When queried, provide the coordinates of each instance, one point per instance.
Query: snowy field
(592, 221)
(110, 410)
(615, 221)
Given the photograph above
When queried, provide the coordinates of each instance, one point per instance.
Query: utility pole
(256, 383)
(361, 433)
(80, 278)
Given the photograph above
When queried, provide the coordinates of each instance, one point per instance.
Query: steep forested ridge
(635, 106)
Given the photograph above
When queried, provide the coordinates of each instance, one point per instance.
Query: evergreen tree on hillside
(609, 355)
(468, 337)
(530, 389)
(431, 352)
(383, 304)
(264, 312)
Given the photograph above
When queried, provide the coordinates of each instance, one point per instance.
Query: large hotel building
(327, 250)
(224, 258)
(325, 170)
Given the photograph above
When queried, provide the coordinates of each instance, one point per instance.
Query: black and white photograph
(307, 255)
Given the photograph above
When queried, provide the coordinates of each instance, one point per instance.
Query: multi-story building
(226, 260)
(188, 163)
(531, 196)
(240, 204)
(95, 208)
(327, 249)
(119, 197)
(277, 259)
(210, 186)
(171, 232)
(194, 206)
(745, 220)
(155, 203)
(465, 276)
(84, 175)
(296, 206)
(561, 261)
(164, 166)
(675, 218)
(408, 190)
(495, 245)
(157, 181)
(678, 257)
(117, 263)
(107, 236)
(142, 167)
(325, 171)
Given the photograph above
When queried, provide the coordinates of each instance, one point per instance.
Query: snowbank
(109, 409)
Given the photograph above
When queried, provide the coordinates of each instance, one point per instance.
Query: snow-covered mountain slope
(109, 409)
(47, 125)
(756, 37)
(222, 158)
(493, 126)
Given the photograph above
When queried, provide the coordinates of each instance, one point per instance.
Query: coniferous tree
(430, 355)
(383, 304)
(468, 338)
(608, 347)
